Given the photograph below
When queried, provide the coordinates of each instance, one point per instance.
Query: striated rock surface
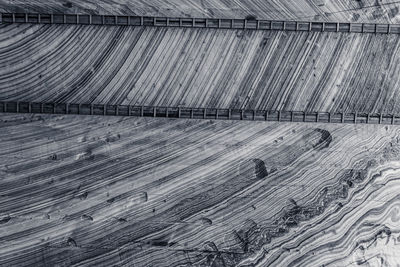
(93, 190)
(274, 70)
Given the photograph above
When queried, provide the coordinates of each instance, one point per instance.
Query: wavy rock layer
(383, 11)
(87, 190)
(274, 70)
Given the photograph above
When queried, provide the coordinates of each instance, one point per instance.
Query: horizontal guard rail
(198, 113)
(251, 24)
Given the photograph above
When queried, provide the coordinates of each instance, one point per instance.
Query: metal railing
(251, 24)
(198, 113)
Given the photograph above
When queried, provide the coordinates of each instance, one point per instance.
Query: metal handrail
(215, 23)
(198, 113)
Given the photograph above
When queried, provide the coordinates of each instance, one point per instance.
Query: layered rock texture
(89, 190)
(213, 68)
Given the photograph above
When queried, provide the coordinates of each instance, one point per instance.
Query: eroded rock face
(264, 70)
(272, 194)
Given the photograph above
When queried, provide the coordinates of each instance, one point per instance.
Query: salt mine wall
(92, 190)
(212, 68)
(89, 190)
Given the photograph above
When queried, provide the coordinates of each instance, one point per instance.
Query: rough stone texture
(89, 190)
(300, 71)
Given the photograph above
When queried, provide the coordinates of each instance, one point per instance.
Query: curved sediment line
(226, 190)
(238, 69)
